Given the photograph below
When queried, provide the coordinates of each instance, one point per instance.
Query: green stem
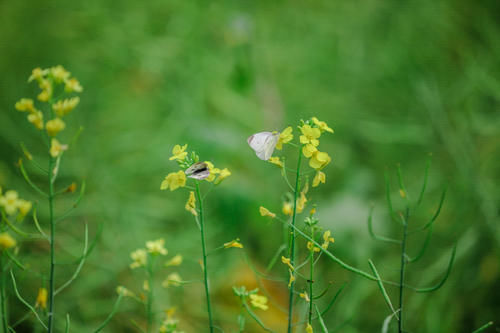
(311, 275)
(52, 247)
(205, 269)
(3, 297)
(149, 304)
(402, 271)
(292, 242)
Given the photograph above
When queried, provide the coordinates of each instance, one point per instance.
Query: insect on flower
(263, 143)
(199, 171)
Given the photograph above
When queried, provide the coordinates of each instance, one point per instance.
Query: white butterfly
(198, 170)
(263, 144)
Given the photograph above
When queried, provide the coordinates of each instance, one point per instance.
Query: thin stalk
(149, 303)
(52, 247)
(402, 271)
(292, 242)
(311, 275)
(3, 297)
(203, 246)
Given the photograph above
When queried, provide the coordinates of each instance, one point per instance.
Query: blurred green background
(396, 80)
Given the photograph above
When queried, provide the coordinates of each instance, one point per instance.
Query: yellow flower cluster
(48, 80)
(216, 174)
(285, 137)
(12, 204)
(6, 241)
(234, 243)
(191, 204)
(156, 247)
(41, 299)
(265, 212)
(175, 261)
(172, 280)
(259, 301)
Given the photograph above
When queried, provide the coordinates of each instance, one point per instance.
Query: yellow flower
(145, 285)
(156, 247)
(276, 161)
(301, 202)
(65, 106)
(309, 328)
(320, 177)
(259, 301)
(310, 135)
(305, 296)
(38, 74)
(265, 212)
(139, 258)
(287, 208)
(41, 298)
(287, 262)
(54, 126)
(25, 104)
(56, 148)
(24, 206)
(173, 279)
(292, 279)
(322, 125)
(179, 153)
(6, 241)
(327, 239)
(191, 204)
(47, 89)
(9, 201)
(224, 173)
(213, 171)
(175, 261)
(59, 73)
(174, 180)
(72, 85)
(308, 150)
(234, 243)
(319, 160)
(285, 137)
(124, 291)
(36, 118)
(311, 247)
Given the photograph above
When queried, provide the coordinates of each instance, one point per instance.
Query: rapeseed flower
(24, 206)
(65, 106)
(10, 202)
(25, 104)
(301, 202)
(265, 212)
(72, 85)
(259, 301)
(41, 299)
(287, 208)
(174, 180)
(234, 243)
(139, 258)
(327, 239)
(38, 74)
(308, 150)
(175, 261)
(287, 262)
(191, 204)
(6, 241)
(309, 328)
(276, 161)
(59, 73)
(319, 160)
(156, 247)
(224, 173)
(56, 148)
(310, 135)
(321, 125)
(285, 137)
(320, 177)
(173, 279)
(54, 126)
(305, 296)
(47, 90)
(213, 171)
(36, 118)
(292, 278)
(311, 247)
(179, 153)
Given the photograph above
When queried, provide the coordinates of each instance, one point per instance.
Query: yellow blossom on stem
(6, 241)
(173, 279)
(213, 171)
(320, 177)
(287, 262)
(276, 161)
(265, 212)
(24, 206)
(56, 148)
(54, 126)
(292, 278)
(36, 118)
(319, 160)
(124, 291)
(72, 85)
(321, 125)
(301, 202)
(309, 328)
(65, 106)
(305, 296)
(327, 239)
(156, 247)
(174, 180)
(234, 243)
(10, 202)
(47, 90)
(308, 150)
(259, 301)
(41, 298)
(25, 104)
(311, 247)
(59, 73)
(310, 135)
(139, 258)
(175, 261)
(38, 74)
(287, 208)
(145, 285)
(224, 173)
(179, 153)
(285, 137)
(191, 204)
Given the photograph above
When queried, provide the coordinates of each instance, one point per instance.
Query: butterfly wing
(263, 144)
(198, 171)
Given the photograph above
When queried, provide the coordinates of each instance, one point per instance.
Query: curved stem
(3, 297)
(149, 304)
(292, 242)
(52, 247)
(402, 271)
(311, 279)
(203, 246)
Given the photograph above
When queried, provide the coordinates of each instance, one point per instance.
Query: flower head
(41, 298)
(311, 247)
(175, 261)
(121, 290)
(319, 160)
(10, 202)
(259, 301)
(173, 279)
(301, 202)
(6, 241)
(72, 85)
(65, 106)
(287, 208)
(54, 126)
(309, 328)
(234, 243)
(276, 161)
(321, 125)
(179, 153)
(292, 278)
(285, 137)
(327, 239)
(56, 148)
(308, 150)
(310, 135)
(213, 171)
(36, 118)
(305, 296)
(265, 212)
(174, 180)
(38, 74)
(287, 262)
(139, 258)
(59, 73)
(224, 173)
(191, 204)
(320, 177)
(25, 104)
(156, 247)
(47, 90)
(24, 206)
